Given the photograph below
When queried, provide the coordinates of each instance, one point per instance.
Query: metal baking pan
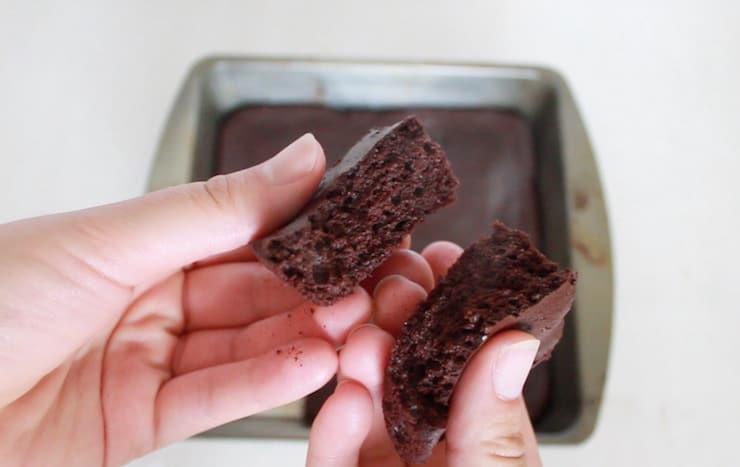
(573, 220)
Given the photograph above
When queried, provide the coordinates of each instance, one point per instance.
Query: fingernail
(512, 367)
(293, 162)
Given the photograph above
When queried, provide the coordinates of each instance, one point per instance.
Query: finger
(340, 428)
(202, 349)
(363, 359)
(210, 397)
(532, 452)
(405, 263)
(396, 298)
(440, 256)
(140, 240)
(238, 255)
(234, 294)
(406, 242)
(487, 426)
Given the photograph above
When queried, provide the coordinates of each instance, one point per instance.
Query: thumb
(63, 277)
(137, 242)
(488, 424)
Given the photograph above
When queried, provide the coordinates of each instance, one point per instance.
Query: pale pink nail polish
(512, 367)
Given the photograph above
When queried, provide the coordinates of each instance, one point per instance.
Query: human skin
(122, 329)
(130, 326)
(488, 423)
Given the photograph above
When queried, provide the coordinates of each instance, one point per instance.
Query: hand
(113, 343)
(488, 423)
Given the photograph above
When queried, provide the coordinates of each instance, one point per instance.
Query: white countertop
(84, 92)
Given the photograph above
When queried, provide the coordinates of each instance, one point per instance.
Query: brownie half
(384, 186)
(500, 282)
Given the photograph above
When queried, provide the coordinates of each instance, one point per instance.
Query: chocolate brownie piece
(498, 283)
(384, 186)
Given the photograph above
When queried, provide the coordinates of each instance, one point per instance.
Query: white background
(85, 87)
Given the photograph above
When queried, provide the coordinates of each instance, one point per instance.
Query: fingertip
(318, 147)
(504, 339)
(396, 298)
(340, 427)
(366, 333)
(353, 402)
(319, 165)
(326, 354)
(396, 284)
(292, 164)
(314, 359)
(338, 319)
(407, 263)
(485, 362)
(360, 328)
(365, 355)
(441, 256)
(442, 245)
(511, 355)
(280, 186)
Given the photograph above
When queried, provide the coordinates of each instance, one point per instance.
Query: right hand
(488, 423)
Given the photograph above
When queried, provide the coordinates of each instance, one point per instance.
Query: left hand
(113, 342)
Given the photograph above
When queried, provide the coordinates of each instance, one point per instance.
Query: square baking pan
(572, 226)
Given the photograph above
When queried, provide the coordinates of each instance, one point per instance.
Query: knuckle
(509, 447)
(219, 192)
(505, 438)
(500, 441)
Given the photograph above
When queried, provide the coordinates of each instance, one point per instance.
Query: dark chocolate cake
(384, 186)
(500, 282)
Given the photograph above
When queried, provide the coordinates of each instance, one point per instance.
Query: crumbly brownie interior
(385, 186)
(499, 282)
